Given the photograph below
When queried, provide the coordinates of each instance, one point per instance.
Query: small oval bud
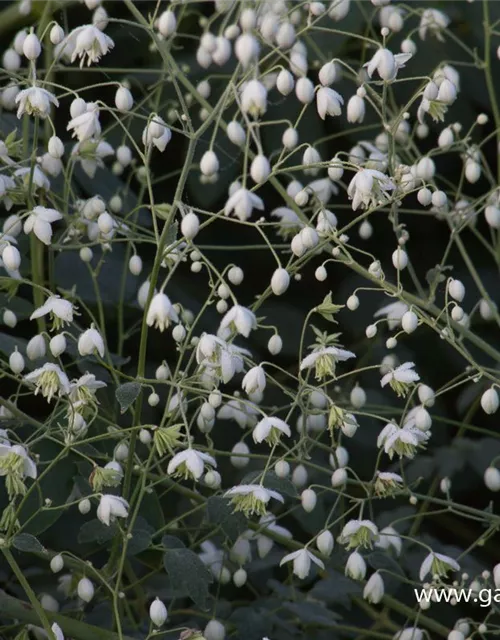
(456, 290)
(11, 257)
(308, 498)
(400, 259)
(55, 147)
(32, 47)
(84, 506)
(282, 469)
(190, 225)
(299, 476)
(57, 345)
(123, 99)
(158, 612)
(16, 362)
(56, 34)
(409, 321)
(352, 302)
(325, 542)
(280, 281)
(492, 479)
(275, 344)
(85, 590)
(490, 401)
(358, 397)
(167, 23)
(209, 163)
(214, 631)
(239, 577)
(56, 564)
(135, 265)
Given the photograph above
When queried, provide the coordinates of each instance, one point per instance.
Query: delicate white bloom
(89, 342)
(270, 429)
(387, 64)
(389, 537)
(302, 562)
(356, 109)
(18, 452)
(39, 222)
(369, 187)
(83, 390)
(241, 204)
(90, 154)
(49, 379)
(209, 163)
(158, 611)
(57, 631)
(252, 498)
(401, 441)
(88, 43)
(325, 359)
(156, 133)
(328, 102)
(437, 564)
(410, 633)
(254, 380)
(190, 463)
(161, 312)
(400, 378)
(60, 310)
(36, 347)
(433, 22)
(238, 320)
(394, 313)
(374, 589)
(86, 125)
(112, 507)
(355, 567)
(254, 98)
(35, 101)
(359, 533)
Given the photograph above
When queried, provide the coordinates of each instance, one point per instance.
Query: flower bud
(123, 99)
(299, 476)
(239, 577)
(324, 542)
(124, 155)
(135, 265)
(214, 631)
(84, 506)
(240, 459)
(209, 163)
(9, 318)
(355, 109)
(55, 147)
(339, 478)
(275, 344)
(32, 47)
(236, 133)
(280, 281)
(304, 90)
(158, 612)
(426, 395)
(328, 74)
(56, 564)
(352, 302)
(16, 362)
(492, 479)
(36, 347)
(56, 34)
(190, 225)
(492, 215)
(409, 321)
(456, 290)
(285, 82)
(167, 23)
(425, 169)
(246, 49)
(308, 498)
(400, 259)
(447, 92)
(374, 589)
(11, 257)
(358, 397)
(260, 169)
(282, 469)
(490, 401)
(105, 222)
(355, 567)
(424, 196)
(472, 171)
(439, 198)
(57, 345)
(85, 590)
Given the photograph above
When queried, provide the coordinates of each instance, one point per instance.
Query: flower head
(252, 498)
(86, 125)
(91, 341)
(369, 188)
(437, 564)
(35, 101)
(387, 64)
(156, 133)
(111, 507)
(387, 483)
(190, 464)
(401, 441)
(328, 102)
(400, 378)
(254, 380)
(161, 312)
(237, 320)
(60, 310)
(40, 222)
(359, 533)
(88, 42)
(302, 562)
(270, 430)
(49, 379)
(324, 360)
(433, 22)
(242, 203)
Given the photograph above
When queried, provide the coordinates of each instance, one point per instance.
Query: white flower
(324, 360)
(217, 357)
(111, 507)
(242, 203)
(86, 125)
(13, 453)
(90, 154)
(254, 380)
(387, 482)
(389, 537)
(156, 133)
(368, 188)
(252, 498)
(355, 567)
(190, 463)
(400, 377)
(270, 429)
(437, 564)
(88, 41)
(254, 98)
(57, 631)
(410, 633)
(158, 611)
(243, 413)
(402, 441)
(89, 342)
(238, 320)
(35, 101)
(83, 390)
(289, 221)
(302, 562)
(49, 379)
(374, 589)
(61, 311)
(356, 109)
(387, 64)
(433, 22)
(359, 533)
(39, 222)
(40, 180)
(394, 313)
(328, 102)
(161, 312)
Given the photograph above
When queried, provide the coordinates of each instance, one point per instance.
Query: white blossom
(437, 564)
(40, 222)
(238, 320)
(60, 310)
(49, 379)
(302, 562)
(35, 101)
(88, 43)
(328, 102)
(368, 188)
(112, 507)
(270, 429)
(242, 203)
(91, 341)
(161, 312)
(190, 463)
(86, 125)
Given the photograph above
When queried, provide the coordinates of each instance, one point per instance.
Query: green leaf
(171, 542)
(186, 570)
(96, 531)
(220, 512)
(271, 481)
(327, 308)
(28, 543)
(127, 393)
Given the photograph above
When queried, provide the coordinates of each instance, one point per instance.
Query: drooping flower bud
(158, 612)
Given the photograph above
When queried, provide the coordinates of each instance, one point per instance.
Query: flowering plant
(249, 354)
